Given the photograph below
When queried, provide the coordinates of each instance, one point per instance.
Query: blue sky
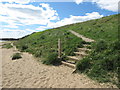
(21, 17)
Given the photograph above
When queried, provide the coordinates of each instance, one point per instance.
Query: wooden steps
(72, 61)
(68, 64)
(86, 45)
(73, 58)
(83, 49)
(81, 54)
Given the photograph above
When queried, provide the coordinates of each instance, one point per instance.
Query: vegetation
(102, 64)
(105, 28)
(7, 45)
(16, 56)
(45, 43)
(52, 59)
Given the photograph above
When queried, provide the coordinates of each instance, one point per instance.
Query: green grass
(16, 56)
(52, 59)
(44, 43)
(7, 45)
(105, 28)
(102, 64)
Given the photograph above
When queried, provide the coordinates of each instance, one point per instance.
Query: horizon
(38, 16)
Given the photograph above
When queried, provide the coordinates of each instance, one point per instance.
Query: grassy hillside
(105, 28)
(102, 64)
(44, 43)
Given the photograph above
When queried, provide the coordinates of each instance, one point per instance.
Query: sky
(22, 17)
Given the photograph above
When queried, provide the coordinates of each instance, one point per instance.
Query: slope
(103, 62)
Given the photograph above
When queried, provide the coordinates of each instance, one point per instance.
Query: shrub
(83, 64)
(16, 56)
(38, 53)
(70, 51)
(100, 46)
(52, 59)
(24, 47)
(116, 45)
(98, 73)
(8, 46)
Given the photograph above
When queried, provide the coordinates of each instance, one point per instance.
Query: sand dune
(29, 73)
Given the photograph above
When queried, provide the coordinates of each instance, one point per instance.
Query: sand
(82, 37)
(29, 73)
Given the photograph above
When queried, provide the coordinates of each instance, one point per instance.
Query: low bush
(100, 45)
(98, 73)
(16, 56)
(116, 45)
(52, 59)
(7, 45)
(38, 53)
(83, 64)
(24, 47)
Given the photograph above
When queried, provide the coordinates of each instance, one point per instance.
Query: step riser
(81, 55)
(87, 50)
(69, 65)
(81, 50)
(74, 59)
(87, 46)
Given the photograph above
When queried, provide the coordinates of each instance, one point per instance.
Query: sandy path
(81, 36)
(28, 73)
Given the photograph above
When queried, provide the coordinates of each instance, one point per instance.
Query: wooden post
(59, 48)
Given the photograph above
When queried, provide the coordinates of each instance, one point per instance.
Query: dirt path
(81, 36)
(28, 73)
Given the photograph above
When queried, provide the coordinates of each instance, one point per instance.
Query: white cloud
(79, 1)
(17, 15)
(16, 33)
(75, 19)
(9, 26)
(71, 20)
(16, 1)
(41, 28)
(111, 5)
(27, 14)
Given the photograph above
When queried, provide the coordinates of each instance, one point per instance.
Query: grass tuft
(16, 56)
(52, 59)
